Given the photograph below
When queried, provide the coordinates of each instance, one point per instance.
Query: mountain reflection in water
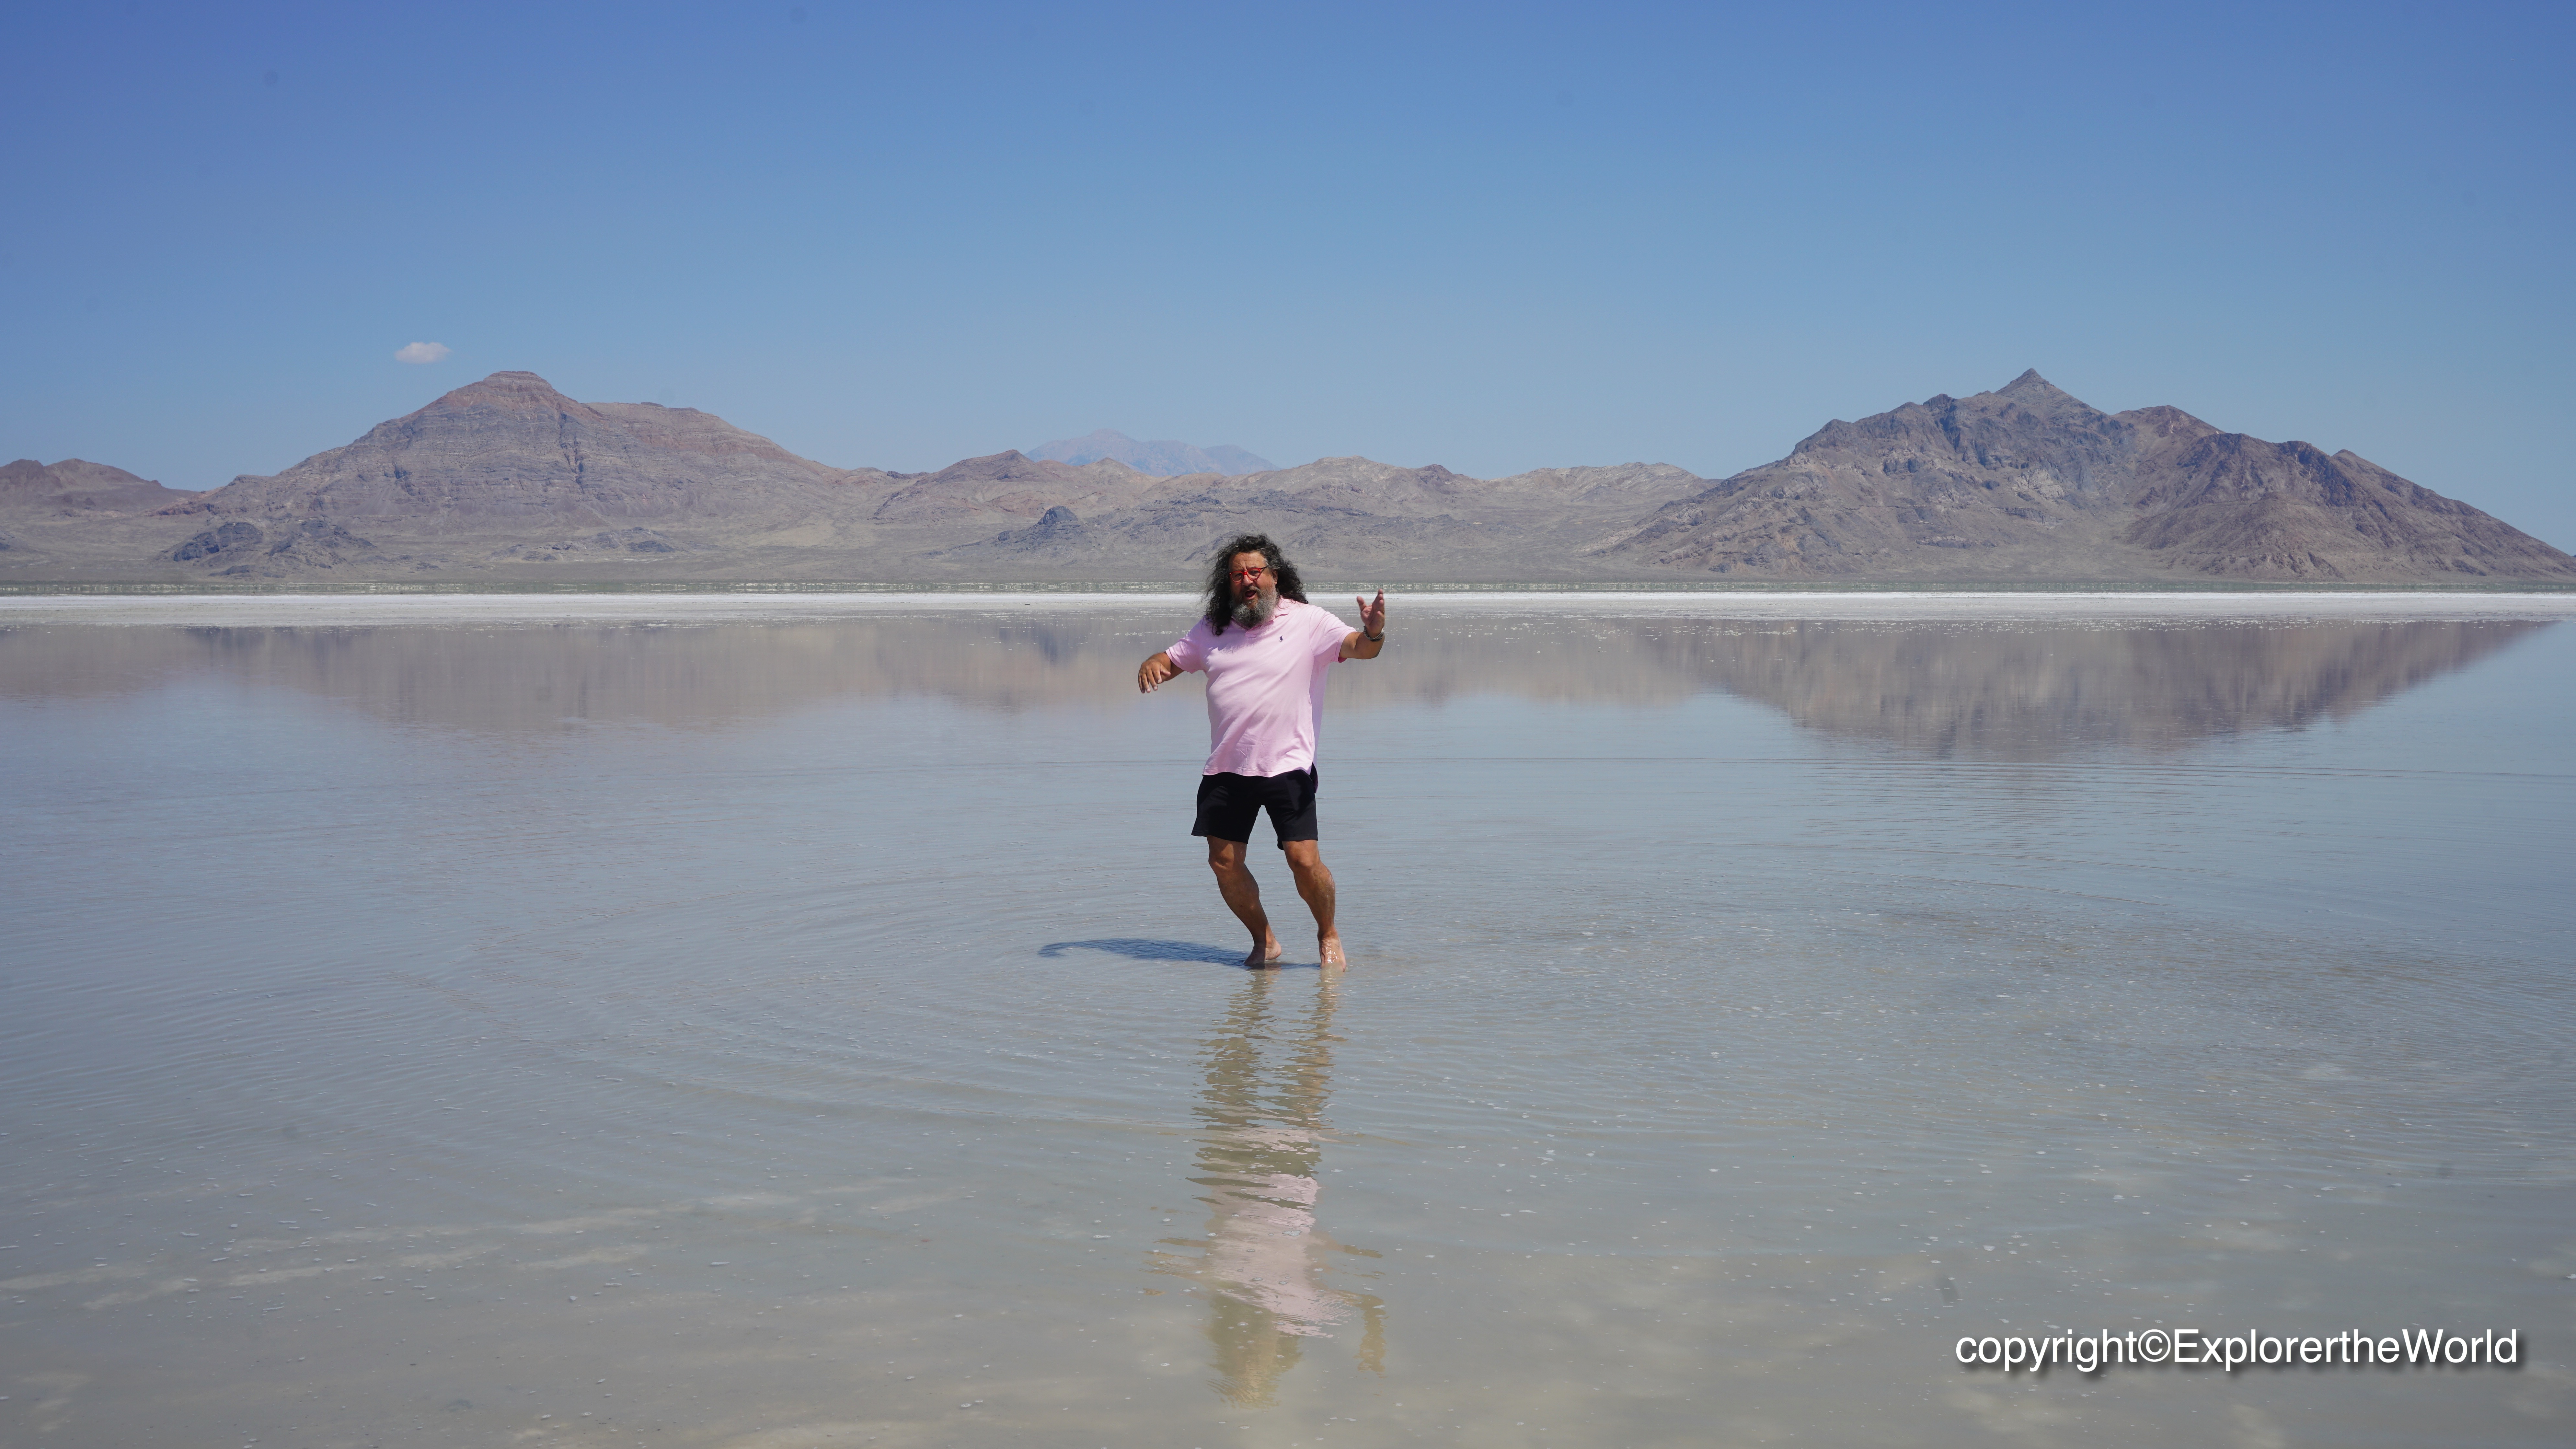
(1265, 1261)
(1946, 688)
(2029, 693)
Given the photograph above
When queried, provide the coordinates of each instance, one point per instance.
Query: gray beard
(1254, 612)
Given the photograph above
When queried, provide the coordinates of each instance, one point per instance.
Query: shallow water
(673, 1022)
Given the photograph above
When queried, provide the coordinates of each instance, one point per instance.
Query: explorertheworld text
(2090, 1353)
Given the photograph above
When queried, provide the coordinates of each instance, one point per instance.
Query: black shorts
(1228, 804)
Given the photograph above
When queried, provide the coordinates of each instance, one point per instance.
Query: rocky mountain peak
(81, 472)
(505, 383)
(2031, 399)
(1008, 466)
(2166, 423)
(507, 392)
(2031, 385)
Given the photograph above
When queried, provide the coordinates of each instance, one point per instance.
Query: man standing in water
(1265, 650)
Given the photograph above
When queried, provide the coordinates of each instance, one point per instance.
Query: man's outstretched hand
(1154, 672)
(1372, 621)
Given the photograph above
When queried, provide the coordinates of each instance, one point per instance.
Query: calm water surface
(661, 1023)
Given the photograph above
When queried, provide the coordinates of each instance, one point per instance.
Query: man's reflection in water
(1261, 1146)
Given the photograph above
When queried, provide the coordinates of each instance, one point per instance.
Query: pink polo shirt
(1265, 687)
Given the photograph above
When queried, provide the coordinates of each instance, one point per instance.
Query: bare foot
(1331, 946)
(1261, 956)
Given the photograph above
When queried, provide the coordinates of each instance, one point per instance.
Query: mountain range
(508, 480)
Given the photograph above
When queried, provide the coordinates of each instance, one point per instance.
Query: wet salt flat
(789, 1021)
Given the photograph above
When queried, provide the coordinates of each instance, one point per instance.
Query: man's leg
(1243, 897)
(1315, 883)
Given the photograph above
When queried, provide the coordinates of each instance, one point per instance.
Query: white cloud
(422, 352)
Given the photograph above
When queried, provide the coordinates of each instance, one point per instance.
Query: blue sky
(1494, 237)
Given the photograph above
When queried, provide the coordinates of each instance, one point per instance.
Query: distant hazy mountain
(1353, 515)
(1163, 457)
(74, 487)
(1009, 485)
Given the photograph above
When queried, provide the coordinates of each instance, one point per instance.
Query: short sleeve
(1190, 650)
(1330, 631)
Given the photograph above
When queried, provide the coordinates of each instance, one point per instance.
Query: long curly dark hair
(1220, 589)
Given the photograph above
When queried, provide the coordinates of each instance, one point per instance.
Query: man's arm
(1154, 672)
(1370, 638)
